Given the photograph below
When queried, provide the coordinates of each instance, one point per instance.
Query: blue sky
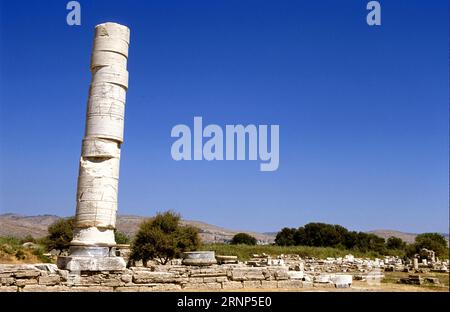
(363, 111)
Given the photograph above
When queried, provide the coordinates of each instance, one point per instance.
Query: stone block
(203, 286)
(127, 289)
(9, 289)
(290, 284)
(82, 263)
(126, 278)
(252, 284)
(26, 281)
(50, 280)
(43, 288)
(269, 284)
(162, 287)
(145, 277)
(221, 279)
(27, 274)
(232, 285)
(7, 281)
(247, 274)
(295, 275)
(91, 289)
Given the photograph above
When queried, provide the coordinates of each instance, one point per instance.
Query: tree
(320, 235)
(163, 238)
(285, 237)
(120, 237)
(395, 243)
(243, 238)
(60, 234)
(432, 241)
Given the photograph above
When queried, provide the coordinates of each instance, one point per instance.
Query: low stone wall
(48, 278)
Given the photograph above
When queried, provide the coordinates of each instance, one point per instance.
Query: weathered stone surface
(221, 279)
(204, 286)
(232, 285)
(199, 258)
(91, 289)
(160, 287)
(4, 275)
(290, 284)
(7, 281)
(127, 289)
(27, 273)
(342, 280)
(80, 264)
(26, 281)
(269, 284)
(9, 289)
(145, 277)
(252, 284)
(298, 275)
(126, 278)
(44, 288)
(323, 285)
(208, 272)
(248, 274)
(280, 273)
(49, 280)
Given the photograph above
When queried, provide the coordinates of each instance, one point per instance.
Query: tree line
(163, 238)
(337, 236)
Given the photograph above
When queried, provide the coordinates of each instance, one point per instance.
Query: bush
(243, 238)
(163, 238)
(286, 237)
(328, 235)
(395, 243)
(431, 241)
(120, 237)
(60, 234)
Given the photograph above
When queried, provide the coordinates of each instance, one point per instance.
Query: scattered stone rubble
(285, 272)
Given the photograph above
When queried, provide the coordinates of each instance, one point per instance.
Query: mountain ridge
(12, 224)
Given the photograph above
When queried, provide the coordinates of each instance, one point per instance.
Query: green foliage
(245, 252)
(395, 243)
(163, 238)
(121, 238)
(328, 235)
(432, 241)
(286, 237)
(11, 248)
(243, 238)
(60, 234)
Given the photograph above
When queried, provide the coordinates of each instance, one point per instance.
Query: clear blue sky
(363, 111)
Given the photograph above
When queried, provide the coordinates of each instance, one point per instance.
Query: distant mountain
(36, 226)
(407, 237)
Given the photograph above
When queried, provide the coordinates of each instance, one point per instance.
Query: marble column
(93, 244)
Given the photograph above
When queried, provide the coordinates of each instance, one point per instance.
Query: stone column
(93, 244)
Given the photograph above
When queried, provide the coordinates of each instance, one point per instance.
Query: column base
(91, 258)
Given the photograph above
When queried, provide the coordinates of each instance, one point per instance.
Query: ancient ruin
(262, 272)
(93, 245)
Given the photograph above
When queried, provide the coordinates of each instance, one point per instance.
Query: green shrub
(60, 234)
(432, 241)
(395, 243)
(243, 238)
(286, 237)
(163, 238)
(121, 238)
